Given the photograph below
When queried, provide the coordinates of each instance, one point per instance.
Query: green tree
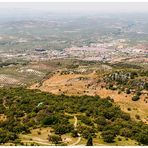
(56, 139)
(74, 133)
(138, 93)
(128, 91)
(108, 136)
(142, 137)
(101, 121)
(126, 132)
(62, 129)
(135, 98)
(89, 141)
(50, 120)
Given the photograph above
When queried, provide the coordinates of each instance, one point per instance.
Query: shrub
(137, 117)
(126, 132)
(135, 98)
(101, 121)
(86, 120)
(39, 133)
(56, 139)
(74, 133)
(128, 91)
(108, 136)
(142, 138)
(138, 93)
(50, 120)
(129, 109)
(63, 129)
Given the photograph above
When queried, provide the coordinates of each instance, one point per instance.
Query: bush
(86, 120)
(50, 120)
(32, 144)
(6, 136)
(101, 121)
(74, 133)
(128, 91)
(63, 129)
(17, 141)
(125, 116)
(85, 134)
(142, 137)
(129, 109)
(56, 139)
(86, 131)
(39, 133)
(135, 98)
(126, 132)
(137, 117)
(138, 93)
(133, 74)
(108, 136)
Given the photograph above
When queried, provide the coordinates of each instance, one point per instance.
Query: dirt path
(36, 140)
(46, 142)
(76, 121)
(79, 139)
(75, 127)
(4, 104)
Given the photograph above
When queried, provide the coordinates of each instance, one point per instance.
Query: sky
(77, 7)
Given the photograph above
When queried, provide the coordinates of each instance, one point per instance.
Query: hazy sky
(77, 7)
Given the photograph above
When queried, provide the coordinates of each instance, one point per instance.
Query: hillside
(72, 82)
(36, 118)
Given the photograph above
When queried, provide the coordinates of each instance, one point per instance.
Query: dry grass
(125, 101)
(124, 142)
(98, 141)
(41, 139)
(68, 139)
(71, 84)
(38, 136)
(3, 117)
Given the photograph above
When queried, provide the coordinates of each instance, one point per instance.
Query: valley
(70, 79)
